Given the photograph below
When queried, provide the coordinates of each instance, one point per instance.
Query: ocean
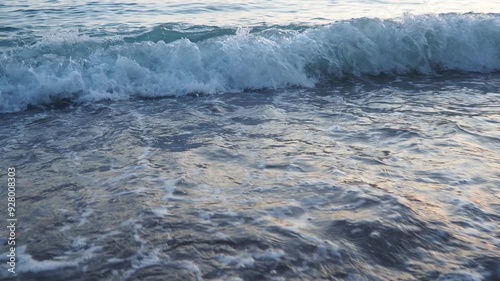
(250, 140)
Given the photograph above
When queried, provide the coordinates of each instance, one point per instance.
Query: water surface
(262, 140)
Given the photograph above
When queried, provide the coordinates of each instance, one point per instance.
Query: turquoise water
(22, 21)
(260, 140)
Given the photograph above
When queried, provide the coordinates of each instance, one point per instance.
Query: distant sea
(251, 140)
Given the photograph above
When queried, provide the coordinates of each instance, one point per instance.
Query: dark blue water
(227, 140)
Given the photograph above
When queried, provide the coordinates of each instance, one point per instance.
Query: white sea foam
(26, 263)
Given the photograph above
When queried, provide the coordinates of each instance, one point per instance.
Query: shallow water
(362, 181)
(230, 140)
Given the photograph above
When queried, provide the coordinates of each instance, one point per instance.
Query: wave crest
(210, 59)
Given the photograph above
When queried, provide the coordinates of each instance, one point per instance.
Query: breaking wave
(175, 60)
